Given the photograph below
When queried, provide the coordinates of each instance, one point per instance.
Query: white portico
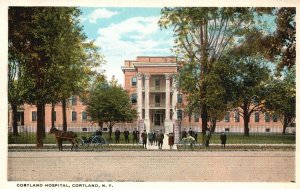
(152, 80)
(156, 101)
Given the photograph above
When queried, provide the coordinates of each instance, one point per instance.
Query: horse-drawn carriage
(65, 135)
(94, 140)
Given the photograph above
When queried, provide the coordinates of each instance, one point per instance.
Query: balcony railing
(156, 106)
(155, 89)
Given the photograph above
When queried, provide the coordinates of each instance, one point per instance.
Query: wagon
(95, 140)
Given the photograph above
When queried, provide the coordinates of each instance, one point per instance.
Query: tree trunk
(52, 115)
(64, 110)
(15, 119)
(100, 124)
(110, 130)
(246, 123)
(204, 70)
(44, 122)
(214, 124)
(285, 124)
(204, 122)
(39, 129)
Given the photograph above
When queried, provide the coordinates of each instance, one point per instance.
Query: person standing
(183, 134)
(155, 137)
(117, 135)
(207, 138)
(144, 138)
(126, 136)
(160, 139)
(98, 132)
(191, 132)
(196, 136)
(171, 140)
(150, 140)
(135, 136)
(223, 139)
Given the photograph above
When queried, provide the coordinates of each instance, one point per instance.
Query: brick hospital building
(151, 85)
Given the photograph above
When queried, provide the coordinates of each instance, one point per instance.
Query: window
(84, 116)
(157, 84)
(196, 117)
(256, 117)
(82, 101)
(179, 98)
(133, 81)
(275, 118)
(267, 117)
(236, 117)
(33, 116)
(179, 114)
(133, 98)
(74, 101)
(157, 100)
(227, 117)
(74, 116)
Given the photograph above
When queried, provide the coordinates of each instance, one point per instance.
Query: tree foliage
(110, 104)
(201, 37)
(282, 99)
(49, 44)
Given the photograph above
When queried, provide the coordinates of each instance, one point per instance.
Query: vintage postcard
(115, 94)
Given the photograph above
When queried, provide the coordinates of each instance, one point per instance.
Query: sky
(125, 33)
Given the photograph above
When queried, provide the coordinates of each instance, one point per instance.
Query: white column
(147, 96)
(147, 89)
(140, 96)
(174, 99)
(167, 97)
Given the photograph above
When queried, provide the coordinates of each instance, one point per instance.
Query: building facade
(153, 90)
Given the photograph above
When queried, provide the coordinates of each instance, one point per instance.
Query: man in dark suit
(117, 135)
(126, 136)
(135, 134)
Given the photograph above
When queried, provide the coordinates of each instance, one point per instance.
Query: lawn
(232, 138)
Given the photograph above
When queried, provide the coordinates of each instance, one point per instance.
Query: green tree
(281, 44)
(248, 86)
(202, 35)
(282, 98)
(110, 104)
(49, 55)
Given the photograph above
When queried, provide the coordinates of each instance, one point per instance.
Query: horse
(64, 135)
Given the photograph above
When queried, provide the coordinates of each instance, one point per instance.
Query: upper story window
(179, 114)
(256, 117)
(157, 84)
(82, 101)
(267, 117)
(33, 116)
(84, 116)
(133, 81)
(227, 117)
(179, 98)
(133, 98)
(74, 100)
(236, 117)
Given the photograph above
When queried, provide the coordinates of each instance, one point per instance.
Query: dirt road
(239, 166)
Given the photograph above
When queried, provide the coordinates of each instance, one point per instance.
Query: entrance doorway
(158, 118)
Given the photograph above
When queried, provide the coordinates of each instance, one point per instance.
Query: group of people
(156, 138)
(192, 137)
(153, 137)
